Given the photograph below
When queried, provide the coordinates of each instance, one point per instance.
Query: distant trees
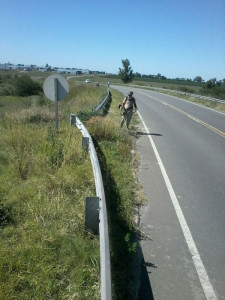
(126, 73)
(158, 76)
(212, 83)
(48, 67)
(215, 88)
(198, 79)
(137, 75)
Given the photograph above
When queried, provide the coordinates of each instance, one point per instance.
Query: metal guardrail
(190, 94)
(105, 262)
(180, 92)
(184, 93)
(103, 101)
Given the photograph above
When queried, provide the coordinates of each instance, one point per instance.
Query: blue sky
(175, 38)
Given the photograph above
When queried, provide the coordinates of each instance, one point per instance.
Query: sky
(176, 38)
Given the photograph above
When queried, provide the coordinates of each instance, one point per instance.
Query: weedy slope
(44, 179)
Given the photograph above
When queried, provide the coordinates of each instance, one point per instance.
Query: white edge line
(201, 271)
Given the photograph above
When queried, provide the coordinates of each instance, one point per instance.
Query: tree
(198, 79)
(158, 76)
(126, 73)
(211, 83)
(213, 80)
(137, 74)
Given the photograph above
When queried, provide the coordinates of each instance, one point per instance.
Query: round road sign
(56, 87)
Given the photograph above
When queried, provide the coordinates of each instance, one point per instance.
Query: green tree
(137, 74)
(211, 83)
(198, 79)
(126, 73)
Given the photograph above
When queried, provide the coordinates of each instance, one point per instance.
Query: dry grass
(33, 115)
(44, 178)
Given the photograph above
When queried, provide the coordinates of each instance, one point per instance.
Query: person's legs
(122, 121)
(128, 117)
(124, 118)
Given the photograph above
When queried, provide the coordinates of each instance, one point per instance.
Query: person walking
(127, 109)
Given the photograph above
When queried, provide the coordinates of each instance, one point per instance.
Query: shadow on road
(143, 269)
(145, 291)
(138, 133)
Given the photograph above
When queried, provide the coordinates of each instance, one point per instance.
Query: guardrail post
(85, 142)
(92, 214)
(72, 119)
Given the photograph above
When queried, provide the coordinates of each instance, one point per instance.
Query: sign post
(56, 104)
(56, 88)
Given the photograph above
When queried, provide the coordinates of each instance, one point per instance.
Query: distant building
(71, 71)
(42, 69)
(86, 72)
(7, 66)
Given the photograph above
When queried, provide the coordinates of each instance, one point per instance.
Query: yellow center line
(221, 133)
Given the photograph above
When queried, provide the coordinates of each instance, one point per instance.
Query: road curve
(190, 142)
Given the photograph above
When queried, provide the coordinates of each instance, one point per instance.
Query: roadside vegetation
(44, 179)
(45, 251)
(211, 88)
(18, 85)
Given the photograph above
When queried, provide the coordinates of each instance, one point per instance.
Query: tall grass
(45, 251)
(44, 178)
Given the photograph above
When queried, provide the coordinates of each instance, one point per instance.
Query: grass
(44, 179)
(46, 252)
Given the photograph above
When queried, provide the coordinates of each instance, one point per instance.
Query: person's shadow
(143, 288)
(145, 291)
(140, 133)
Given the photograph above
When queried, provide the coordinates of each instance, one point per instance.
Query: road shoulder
(167, 267)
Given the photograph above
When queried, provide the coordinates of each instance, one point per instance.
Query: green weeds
(45, 252)
(44, 178)
(19, 86)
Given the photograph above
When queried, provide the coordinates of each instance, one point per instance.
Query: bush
(25, 86)
(84, 115)
(186, 89)
(214, 91)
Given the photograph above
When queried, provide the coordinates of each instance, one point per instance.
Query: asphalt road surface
(182, 169)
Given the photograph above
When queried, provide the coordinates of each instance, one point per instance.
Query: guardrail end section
(72, 119)
(92, 214)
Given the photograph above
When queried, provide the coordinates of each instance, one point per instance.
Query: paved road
(182, 169)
